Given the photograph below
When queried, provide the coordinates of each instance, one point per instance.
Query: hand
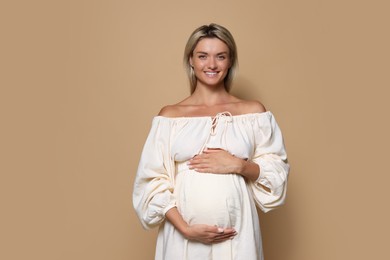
(209, 234)
(216, 161)
(199, 232)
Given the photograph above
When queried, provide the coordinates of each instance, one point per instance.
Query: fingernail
(220, 230)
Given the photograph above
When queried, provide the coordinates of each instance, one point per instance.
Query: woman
(209, 160)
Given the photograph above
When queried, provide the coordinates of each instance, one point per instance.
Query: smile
(211, 73)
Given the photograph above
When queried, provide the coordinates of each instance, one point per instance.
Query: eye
(202, 56)
(221, 57)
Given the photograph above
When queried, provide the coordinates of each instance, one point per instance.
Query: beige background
(81, 81)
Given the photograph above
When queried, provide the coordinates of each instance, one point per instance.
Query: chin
(212, 83)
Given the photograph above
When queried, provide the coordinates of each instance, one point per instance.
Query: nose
(212, 64)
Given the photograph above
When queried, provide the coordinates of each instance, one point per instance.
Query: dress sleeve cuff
(167, 208)
(263, 169)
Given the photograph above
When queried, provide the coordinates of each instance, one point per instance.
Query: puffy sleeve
(154, 184)
(270, 155)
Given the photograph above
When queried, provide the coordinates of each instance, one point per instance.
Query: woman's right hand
(208, 234)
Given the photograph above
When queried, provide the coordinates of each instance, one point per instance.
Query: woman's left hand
(216, 161)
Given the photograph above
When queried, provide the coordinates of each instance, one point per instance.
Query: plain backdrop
(81, 81)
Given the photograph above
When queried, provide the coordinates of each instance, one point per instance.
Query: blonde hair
(210, 31)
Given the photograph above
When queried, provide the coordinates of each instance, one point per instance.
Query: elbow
(152, 214)
(272, 202)
(150, 218)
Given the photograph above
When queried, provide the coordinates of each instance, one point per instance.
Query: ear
(191, 64)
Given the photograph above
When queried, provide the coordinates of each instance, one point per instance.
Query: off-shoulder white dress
(164, 181)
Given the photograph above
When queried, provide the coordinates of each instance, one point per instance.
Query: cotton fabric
(164, 181)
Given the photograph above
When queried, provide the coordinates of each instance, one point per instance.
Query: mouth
(211, 73)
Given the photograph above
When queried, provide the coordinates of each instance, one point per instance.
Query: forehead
(211, 45)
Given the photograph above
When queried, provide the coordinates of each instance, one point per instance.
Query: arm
(270, 154)
(267, 170)
(153, 184)
(219, 161)
(153, 196)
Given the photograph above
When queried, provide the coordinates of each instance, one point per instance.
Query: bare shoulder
(169, 111)
(252, 106)
(180, 109)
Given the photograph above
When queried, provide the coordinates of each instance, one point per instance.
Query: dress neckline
(213, 116)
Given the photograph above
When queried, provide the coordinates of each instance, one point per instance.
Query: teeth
(211, 73)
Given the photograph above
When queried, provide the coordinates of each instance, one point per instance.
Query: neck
(210, 95)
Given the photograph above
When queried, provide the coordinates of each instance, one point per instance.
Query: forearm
(248, 169)
(177, 221)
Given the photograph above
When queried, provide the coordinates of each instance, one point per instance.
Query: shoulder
(251, 106)
(171, 111)
(255, 106)
(168, 111)
(176, 110)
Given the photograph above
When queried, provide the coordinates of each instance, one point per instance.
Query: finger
(198, 167)
(210, 151)
(214, 149)
(216, 241)
(195, 158)
(199, 159)
(197, 162)
(214, 229)
(201, 155)
(220, 230)
(201, 164)
(193, 163)
(222, 238)
(230, 230)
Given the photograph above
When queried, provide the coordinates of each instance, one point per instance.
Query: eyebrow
(202, 52)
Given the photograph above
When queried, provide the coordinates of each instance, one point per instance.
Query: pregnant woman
(209, 160)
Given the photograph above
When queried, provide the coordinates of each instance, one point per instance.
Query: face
(211, 61)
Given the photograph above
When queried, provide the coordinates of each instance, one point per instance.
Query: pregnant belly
(212, 199)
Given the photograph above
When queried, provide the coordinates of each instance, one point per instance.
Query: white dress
(164, 181)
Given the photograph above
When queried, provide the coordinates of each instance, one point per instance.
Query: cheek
(196, 63)
(225, 64)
